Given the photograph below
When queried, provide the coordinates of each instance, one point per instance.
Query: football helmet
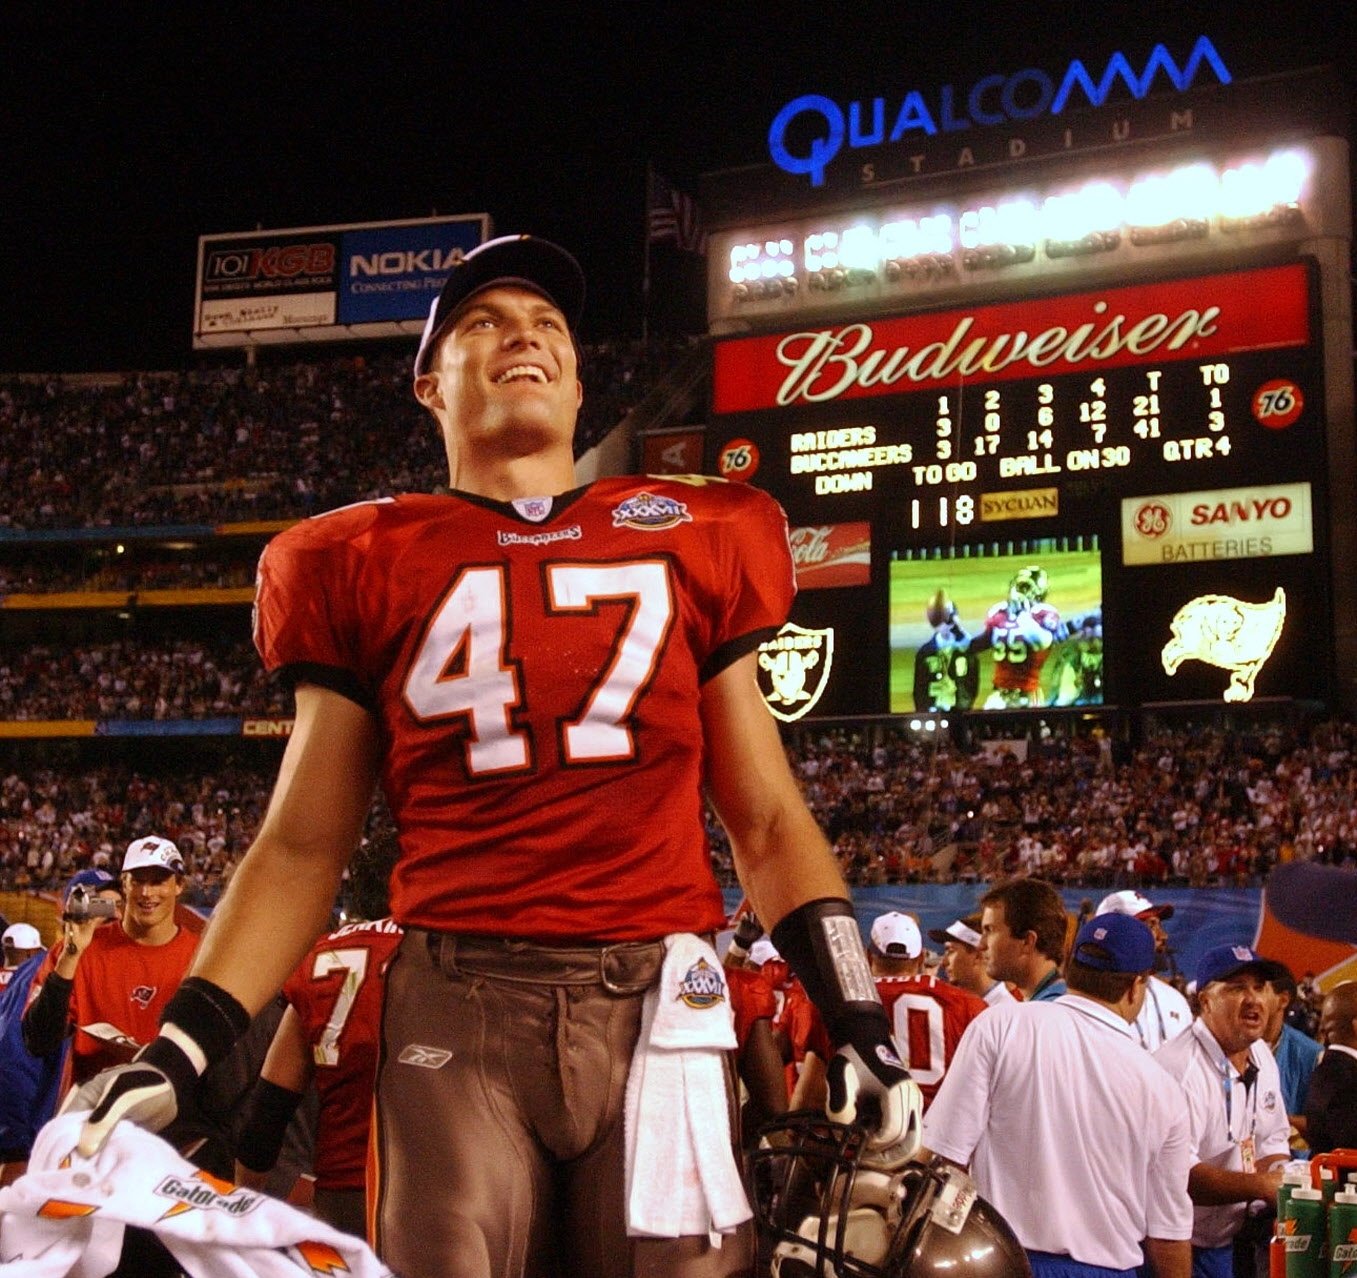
(1028, 587)
(824, 1210)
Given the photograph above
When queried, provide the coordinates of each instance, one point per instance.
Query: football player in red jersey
(928, 1015)
(1020, 632)
(545, 679)
(329, 1035)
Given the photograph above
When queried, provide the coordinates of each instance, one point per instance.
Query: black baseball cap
(524, 260)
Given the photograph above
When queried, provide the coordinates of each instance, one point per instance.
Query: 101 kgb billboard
(326, 283)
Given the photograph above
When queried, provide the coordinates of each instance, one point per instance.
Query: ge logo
(738, 459)
(1153, 519)
(1277, 404)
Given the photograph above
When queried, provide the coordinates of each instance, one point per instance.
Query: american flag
(672, 215)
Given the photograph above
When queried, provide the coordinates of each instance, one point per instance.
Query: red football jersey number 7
(463, 666)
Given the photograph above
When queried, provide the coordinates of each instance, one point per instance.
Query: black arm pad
(208, 1015)
(268, 1112)
(46, 1022)
(822, 945)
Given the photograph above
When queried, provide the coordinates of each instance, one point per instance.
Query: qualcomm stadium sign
(992, 100)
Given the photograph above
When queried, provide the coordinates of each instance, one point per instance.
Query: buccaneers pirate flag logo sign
(794, 670)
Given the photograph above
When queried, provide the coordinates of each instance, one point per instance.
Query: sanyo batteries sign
(1222, 523)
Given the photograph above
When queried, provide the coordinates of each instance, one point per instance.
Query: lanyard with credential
(1158, 1015)
(1248, 1078)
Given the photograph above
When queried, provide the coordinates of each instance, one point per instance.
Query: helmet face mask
(1028, 587)
(823, 1210)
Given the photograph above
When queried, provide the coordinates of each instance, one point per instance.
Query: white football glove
(868, 1083)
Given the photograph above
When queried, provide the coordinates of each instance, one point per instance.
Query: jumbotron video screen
(1111, 496)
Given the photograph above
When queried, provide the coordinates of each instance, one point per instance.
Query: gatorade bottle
(1295, 1175)
(1343, 1234)
(1303, 1230)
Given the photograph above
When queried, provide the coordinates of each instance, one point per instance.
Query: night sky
(126, 137)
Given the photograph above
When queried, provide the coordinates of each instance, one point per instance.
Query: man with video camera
(109, 984)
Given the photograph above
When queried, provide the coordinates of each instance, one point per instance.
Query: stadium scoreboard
(1154, 451)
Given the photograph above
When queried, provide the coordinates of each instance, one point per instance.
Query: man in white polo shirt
(1166, 1013)
(1239, 1125)
(962, 963)
(1071, 1131)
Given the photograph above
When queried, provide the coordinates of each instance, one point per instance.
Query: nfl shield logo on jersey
(794, 670)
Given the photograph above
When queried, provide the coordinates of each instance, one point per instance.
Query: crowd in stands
(137, 679)
(230, 444)
(133, 574)
(1192, 808)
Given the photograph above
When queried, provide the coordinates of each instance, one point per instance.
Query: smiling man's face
(505, 375)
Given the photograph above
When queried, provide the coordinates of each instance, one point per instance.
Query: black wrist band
(270, 1111)
(170, 1061)
(821, 943)
(210, 1019)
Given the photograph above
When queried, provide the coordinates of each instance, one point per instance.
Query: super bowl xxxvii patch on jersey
(702, 986)
(649, 512)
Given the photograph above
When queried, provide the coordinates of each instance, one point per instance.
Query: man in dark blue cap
(1069, 1128)
(32, 1083)
(544, 677)
(1240, 1130)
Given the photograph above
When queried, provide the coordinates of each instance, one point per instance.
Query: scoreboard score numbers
(1166, 439)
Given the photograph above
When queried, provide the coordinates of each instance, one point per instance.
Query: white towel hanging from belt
(682, 1179)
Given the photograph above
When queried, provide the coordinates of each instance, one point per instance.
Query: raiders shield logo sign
(794, 669)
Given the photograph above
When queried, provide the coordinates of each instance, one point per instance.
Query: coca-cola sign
(828, 555)
(1210, 316)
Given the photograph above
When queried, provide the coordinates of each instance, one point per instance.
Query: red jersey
(805, 1031)
(928, 1017)
(752, 998)
(1017, 660)
(535, 668)
(6, 975)
(336, 992)
(126, 985)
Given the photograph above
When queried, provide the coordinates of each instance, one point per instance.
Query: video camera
(83, 905)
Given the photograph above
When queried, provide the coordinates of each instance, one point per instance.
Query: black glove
(747, 931)
(199, 1026)
(869, 1084)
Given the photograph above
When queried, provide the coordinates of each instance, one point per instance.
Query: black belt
(621, 967)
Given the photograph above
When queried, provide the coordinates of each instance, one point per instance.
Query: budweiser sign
(828, 555)
(1209, 316)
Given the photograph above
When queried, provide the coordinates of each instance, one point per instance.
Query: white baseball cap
(153, 853)
(763, 951)
(1129, 901)
(896, 935)
(22, 936)
(960, 931)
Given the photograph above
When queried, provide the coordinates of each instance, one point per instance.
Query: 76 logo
(1278, 403)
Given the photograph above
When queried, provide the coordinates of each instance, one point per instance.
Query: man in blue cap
(1070, 1130)
(1240, 1130)
(32, 1083)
